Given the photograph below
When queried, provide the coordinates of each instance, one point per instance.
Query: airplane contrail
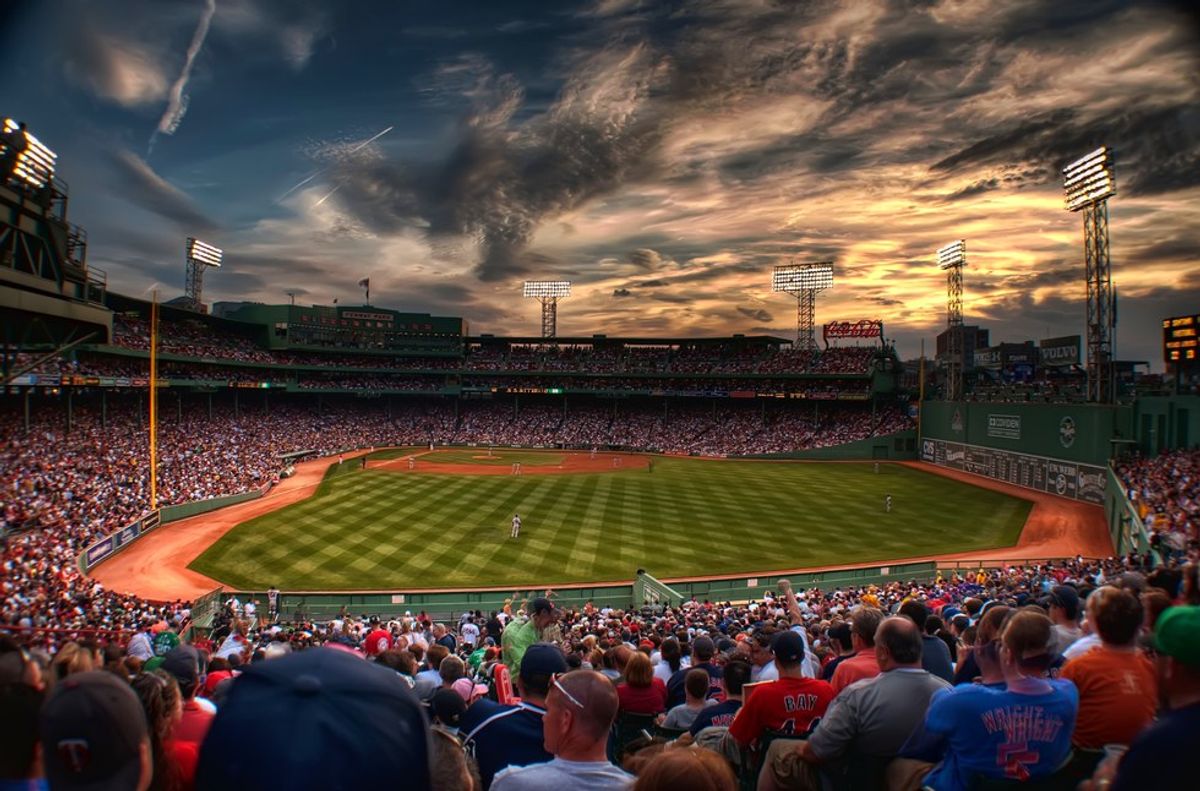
(177, 101)
(328, 195)
(318, 172)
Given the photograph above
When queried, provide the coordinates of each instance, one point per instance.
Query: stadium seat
(630, 726)
(669, 733)
(504, 687)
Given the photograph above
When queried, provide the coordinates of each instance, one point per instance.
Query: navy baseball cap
(92, 730)
(297, 711)
(788, 647)
(539, 605)
(183, 662)
(448, 706)
(542, 659)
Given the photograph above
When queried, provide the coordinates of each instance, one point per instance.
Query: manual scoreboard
(1181, 339)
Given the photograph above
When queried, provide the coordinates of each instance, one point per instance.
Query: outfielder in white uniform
(516, 526)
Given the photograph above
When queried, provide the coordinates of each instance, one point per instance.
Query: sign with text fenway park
(867, 328)
(1053, 476)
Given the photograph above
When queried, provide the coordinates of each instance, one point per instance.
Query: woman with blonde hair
(692, 768)
(641, 692)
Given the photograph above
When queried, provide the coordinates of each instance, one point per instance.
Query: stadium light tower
(200, 255)
(1089, 183)
(35, 164)
(952, 258)
(804, 281)
(548, 292)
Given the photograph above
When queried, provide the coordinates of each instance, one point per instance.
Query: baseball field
(443, 520)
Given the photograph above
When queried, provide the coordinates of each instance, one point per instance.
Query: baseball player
(411, 462)
(887, 503)
(516, 526)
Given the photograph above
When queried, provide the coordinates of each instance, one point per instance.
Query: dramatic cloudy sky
(661, 155)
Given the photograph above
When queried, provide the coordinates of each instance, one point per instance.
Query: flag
(365, 283)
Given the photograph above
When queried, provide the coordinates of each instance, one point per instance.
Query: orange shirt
(856, 668)
(1118, 695)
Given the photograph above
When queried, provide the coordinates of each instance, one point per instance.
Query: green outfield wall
(1124, 523)
(901, 446)
(1166, 423)
(445, 605)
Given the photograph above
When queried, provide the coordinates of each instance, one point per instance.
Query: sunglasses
(558, 685)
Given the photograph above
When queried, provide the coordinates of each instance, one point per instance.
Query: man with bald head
(870, 719)
(580, 709)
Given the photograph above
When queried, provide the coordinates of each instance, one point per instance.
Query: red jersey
(788, 705)
(377, 642)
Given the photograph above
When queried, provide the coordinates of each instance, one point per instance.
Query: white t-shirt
(470, 633)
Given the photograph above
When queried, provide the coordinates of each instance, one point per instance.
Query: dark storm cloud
(143, 187)
(973, 189)
(622, 292)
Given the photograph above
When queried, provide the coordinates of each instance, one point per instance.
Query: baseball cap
(468, 690)
(1177, 634)
(448, 706)
(298, 710)
(542, 659)
(788, 647)
(540, 605)
(92, 729)
(183, 662)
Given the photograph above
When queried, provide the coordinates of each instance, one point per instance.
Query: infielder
(411, 462)
(887, 503)
(516, 526)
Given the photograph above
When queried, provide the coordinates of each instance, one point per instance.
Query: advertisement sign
(1053, 476)
(99, 551)
(1060, 352)
(866, 328)
(1181, 339)
(1004, 426)
(987, 358)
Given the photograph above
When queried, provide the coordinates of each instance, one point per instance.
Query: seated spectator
(429, 680)
(672, 660)
(686, 768)
(450, 670)
(734, 679)
(982, 663)
(450, 769)
(1118, 690)
(174, 761)
(695, 688)
(935, 656)
(93, 735)
(788, 705)
(1164, 754)
(20, 759)
(641, 692)
(580, 709)
(864, 624)
(1020, 732)
(840, 640)
(1063, 604)
(316, 704)
(703, 651)
(446, 710)
(500, 736)
(183, 663)
(871, 718)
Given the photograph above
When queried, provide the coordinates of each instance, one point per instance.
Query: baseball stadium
(196, 491)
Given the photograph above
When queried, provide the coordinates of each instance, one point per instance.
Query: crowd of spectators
(1166, 491)
(1078, 670)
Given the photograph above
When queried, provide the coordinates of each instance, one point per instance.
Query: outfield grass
(378, 529)
(499, 456)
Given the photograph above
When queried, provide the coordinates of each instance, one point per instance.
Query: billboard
(1181, 339)
(865, 328)
(988, 358)
(1060, 352)
(1052, 476)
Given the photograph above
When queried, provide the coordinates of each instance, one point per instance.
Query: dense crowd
(1166, 491)
(1081, 670)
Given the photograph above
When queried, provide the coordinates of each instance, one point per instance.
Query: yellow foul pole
(920, 391)
(154, 402)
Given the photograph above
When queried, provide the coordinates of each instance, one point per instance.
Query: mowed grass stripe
(384, 529)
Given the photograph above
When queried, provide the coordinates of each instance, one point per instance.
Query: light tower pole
(804, 281)
(1089, 183)
(548, 292)
(200, 256)
(952, 258)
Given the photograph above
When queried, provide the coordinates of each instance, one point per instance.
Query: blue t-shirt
(1000, 734)
(719, 716)
(501, 736)
(676, 696)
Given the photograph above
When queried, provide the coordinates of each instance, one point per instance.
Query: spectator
(183, 663)
(641, 692)
(703, 651)
(93, 735)
(449, 767)
(864, 625)
(686, 768)
(695, 687)
(870, 719)
(429, 680)
(982, 663)
(580, 709)
(1118, 691)
(1163, 755)
(840, 641)
(975, 729)
(450, 670)
(447, 708)
(20, 760)
(518, 636)
(788, 705)
(672, 660)
(734, 679)
(324, 703)
(501, 736)
(174, 761)
(935, 656)
(1063, 603)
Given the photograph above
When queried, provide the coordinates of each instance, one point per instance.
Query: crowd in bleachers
(982, 678)
(1166, 491)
